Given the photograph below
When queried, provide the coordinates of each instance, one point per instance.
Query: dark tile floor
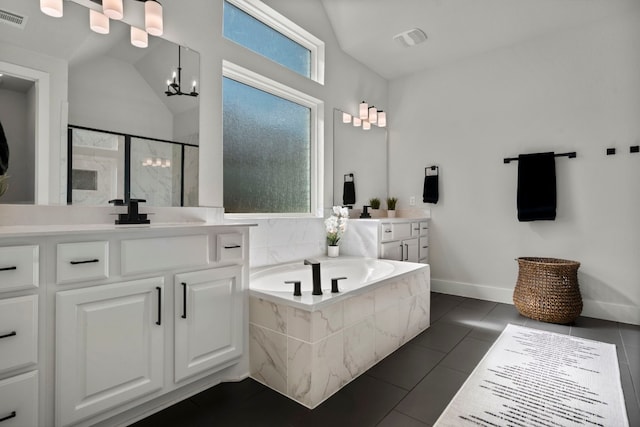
(412, 386)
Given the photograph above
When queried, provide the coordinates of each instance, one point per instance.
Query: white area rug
(537, 378)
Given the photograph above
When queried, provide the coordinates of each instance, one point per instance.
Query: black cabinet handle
(8, 417)
(10, 334)
(407, 252)
(184, 300)
(232, 246)
(159, 289)
(8, 268)
(88, 261)
(401, 252)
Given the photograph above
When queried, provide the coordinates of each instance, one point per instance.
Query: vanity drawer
(395, 230)
(229, 247)
(164, 253)
(424, 249)
(77, 262)
(19, 400)
(415, 229)
(19, 267)
(18, 332)
(424, 228)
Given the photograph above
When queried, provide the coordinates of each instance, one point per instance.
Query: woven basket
(548, 290)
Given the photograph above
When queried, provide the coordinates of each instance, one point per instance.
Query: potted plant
(336, 225)
(391, 206)
(375, 207)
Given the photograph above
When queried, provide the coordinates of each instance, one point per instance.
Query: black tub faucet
(315, 270)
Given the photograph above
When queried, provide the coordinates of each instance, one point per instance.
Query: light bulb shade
(346, 118)
(357, 122)
(382, 119)
(98, 22)
(51, 7)
(153, 18)
(373, 114)
(139, 38)
(364, 110)
(113, 9)
(366, 125)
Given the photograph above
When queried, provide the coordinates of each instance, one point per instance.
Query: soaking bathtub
(308, 347)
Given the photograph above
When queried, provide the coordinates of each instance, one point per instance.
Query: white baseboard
(598, 309)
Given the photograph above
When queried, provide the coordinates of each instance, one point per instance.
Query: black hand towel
(349, 193)
(536, 187)
(430, 189)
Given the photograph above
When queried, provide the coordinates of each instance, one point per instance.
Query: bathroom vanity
(400, 239)
(105, 324)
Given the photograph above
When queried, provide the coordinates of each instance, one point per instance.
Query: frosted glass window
(253, 34)
(267, 152)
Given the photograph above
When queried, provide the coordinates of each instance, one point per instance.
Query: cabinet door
(19, 400)
(109, 346)
(411, 252)
(208, 319)
(391, 250)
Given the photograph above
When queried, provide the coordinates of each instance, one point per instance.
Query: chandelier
(173, 84)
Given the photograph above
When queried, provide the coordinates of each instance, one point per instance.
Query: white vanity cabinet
(401, 239)
(109, 346)
(208, 314)
(91, 319)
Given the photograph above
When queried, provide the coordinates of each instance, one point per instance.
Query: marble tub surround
(308, 355)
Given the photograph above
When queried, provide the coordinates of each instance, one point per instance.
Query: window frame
(290, 29)
(316, 133)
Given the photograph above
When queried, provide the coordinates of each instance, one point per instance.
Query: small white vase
(333, 251)
(391, 214)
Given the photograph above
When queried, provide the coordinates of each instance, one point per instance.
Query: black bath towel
(349, 193)
(430, 189)
(4, 152)
(536, 187)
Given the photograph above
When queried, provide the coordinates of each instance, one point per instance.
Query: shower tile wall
(159, 186)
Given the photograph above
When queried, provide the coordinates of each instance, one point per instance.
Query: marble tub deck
(309, 355)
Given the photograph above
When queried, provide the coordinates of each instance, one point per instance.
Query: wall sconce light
(51, 7)
(367, 116)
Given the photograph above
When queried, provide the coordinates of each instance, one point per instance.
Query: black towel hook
(347, 176)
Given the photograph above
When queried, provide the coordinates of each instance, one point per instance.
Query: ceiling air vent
(13, 19)
(410, 37)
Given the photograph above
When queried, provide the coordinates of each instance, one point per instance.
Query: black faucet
(315, 270)
(365, 212)
(133, 216)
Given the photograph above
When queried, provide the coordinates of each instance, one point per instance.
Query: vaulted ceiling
(456, 29)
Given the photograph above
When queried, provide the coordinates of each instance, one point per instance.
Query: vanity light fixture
(367, 116)
(173, 84)
(139, 38)
(153, 21)
(98, 22)
(51, 7)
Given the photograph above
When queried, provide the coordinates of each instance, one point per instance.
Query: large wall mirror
(126, 136)
(360, 155)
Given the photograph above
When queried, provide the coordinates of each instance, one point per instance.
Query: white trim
(598, 309)
(258, 81)
(290, 29)
(42, 132)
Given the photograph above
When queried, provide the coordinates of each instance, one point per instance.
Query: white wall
(577, 90)
(106, 93)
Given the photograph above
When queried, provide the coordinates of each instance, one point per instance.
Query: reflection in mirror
(362, 153)
(106, 165)
(112, 85)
